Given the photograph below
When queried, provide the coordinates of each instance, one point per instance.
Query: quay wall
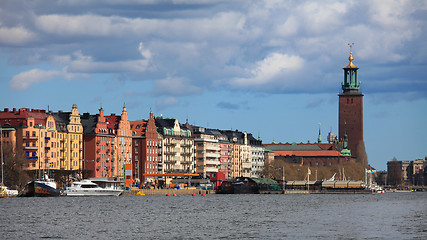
(167, 191)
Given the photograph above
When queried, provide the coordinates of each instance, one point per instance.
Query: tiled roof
(321, 153)
(293, 147)
(138, 128)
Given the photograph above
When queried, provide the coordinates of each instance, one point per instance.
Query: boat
(5, 192)
(45, 187)
(88, 188)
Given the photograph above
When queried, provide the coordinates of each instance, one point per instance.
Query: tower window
(347, 100)
(352, 101)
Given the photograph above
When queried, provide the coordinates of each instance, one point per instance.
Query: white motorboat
(89, 188)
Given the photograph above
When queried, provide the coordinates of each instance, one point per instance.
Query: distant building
(411, 173)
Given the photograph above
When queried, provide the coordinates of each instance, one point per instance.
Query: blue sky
(272, 68)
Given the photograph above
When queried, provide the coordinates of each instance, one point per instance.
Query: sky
(271, 68)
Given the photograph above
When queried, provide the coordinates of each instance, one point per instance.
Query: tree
(362, 157)
(14, 161)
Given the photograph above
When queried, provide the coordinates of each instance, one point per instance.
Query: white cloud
(163, 103)
(85, 64)
(23, 80)
(144, 52)
(271, 69)
(175, 86)
(15, 36)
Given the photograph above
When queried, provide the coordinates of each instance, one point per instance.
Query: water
(345, 216)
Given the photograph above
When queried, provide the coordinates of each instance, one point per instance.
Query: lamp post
(283, 176)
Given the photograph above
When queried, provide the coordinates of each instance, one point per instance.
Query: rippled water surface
(345, 216)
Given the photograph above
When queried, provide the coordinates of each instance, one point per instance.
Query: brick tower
(351, 108)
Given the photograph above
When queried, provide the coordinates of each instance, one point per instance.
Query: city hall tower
(350, 120)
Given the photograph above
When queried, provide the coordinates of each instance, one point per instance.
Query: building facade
(207, 152)
(178, 147)
(121, 150)
(35, 133)
(409, 173)
(99, 146)
(147, 150)
(70, 140)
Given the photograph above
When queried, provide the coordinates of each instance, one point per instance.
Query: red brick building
(311, 154)
(147, 150)
(99, 146)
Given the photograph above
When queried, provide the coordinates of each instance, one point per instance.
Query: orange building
(122, 149)
(33, 131)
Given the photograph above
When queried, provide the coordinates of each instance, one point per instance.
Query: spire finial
(351, 58)
(319, 138)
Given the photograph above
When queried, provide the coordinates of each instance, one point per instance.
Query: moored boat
(40, 188)
(88, 188)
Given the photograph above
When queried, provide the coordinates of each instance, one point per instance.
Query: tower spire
(319, 138)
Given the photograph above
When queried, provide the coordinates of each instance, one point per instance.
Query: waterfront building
(147, 150)
(407, 172)
(350, 121)
(241, 155)
(207, 151)
(70, 140)
(121, 146)
(258, 156)
(311, 154)
(34, 131)
(178, 147)
(224, 154)
(99, 143)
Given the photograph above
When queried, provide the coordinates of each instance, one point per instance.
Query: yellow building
(70, 140)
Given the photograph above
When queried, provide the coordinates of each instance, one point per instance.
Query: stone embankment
(167, 191)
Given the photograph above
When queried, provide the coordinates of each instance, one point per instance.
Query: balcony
(32, 158)
(31, 148)
(30, 137)
(213, 148)
(170, 153)
(186, 153)
(211, 169)
(47, 148)
(211, 162)
(170, 144)
(47, 138)
(212, 155)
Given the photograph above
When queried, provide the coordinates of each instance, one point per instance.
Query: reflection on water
(345, 216)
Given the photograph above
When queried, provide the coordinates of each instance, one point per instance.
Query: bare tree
(14, 162)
